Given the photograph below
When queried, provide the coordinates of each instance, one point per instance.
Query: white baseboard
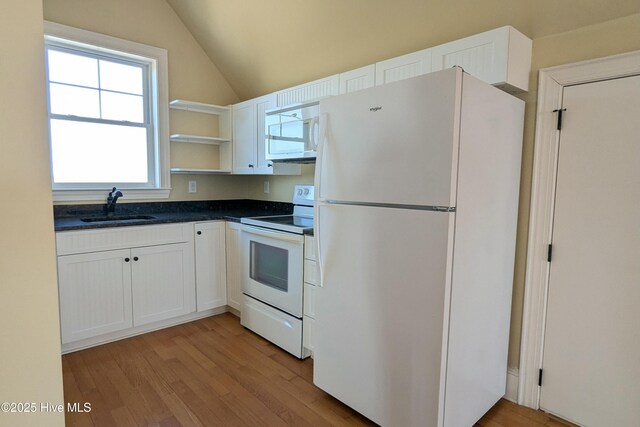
(131, 332)
(512, 385)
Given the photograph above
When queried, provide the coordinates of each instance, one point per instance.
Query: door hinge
(540, 378)
(559, 111)
(549, 252)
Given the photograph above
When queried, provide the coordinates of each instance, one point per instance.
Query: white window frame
(159, 109)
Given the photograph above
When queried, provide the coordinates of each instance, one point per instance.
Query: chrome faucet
(112, 198)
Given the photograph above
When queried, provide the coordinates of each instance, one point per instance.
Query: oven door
(272, 263)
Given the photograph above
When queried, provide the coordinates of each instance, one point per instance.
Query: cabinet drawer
(310, 248)
(309, 308)
(104, 239)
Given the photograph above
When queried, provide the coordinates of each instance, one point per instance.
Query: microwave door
(288, 138)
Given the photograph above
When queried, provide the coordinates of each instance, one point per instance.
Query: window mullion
(99, 89)
(99, 121)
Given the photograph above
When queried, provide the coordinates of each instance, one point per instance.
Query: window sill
(90, 195)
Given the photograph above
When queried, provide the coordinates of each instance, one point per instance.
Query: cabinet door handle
(270, 165)
(250, 165)
(126, 260)
(135, 258)
(199, 233)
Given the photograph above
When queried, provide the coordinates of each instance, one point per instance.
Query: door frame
(551, 84)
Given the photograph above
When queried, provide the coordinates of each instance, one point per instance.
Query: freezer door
(392, 144)
(379, 315)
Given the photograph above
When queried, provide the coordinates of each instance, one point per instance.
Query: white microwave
(291, 133)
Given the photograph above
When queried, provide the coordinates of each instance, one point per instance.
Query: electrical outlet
(193, 186)
(266, 187)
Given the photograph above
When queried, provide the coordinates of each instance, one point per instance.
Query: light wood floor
(213, 372)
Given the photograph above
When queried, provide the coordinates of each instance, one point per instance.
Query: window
(107, 115)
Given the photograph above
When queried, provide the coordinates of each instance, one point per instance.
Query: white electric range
(272, 272)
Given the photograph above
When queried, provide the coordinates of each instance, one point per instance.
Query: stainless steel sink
(117, 218)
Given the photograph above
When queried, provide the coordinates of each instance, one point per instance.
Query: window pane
(74, 101)
(73, 69)
(120, 77)
(117, 106)
(91, 152)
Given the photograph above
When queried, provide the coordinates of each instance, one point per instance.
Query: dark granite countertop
(69, 217)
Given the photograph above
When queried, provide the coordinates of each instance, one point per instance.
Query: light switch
(266, 186)
(193, 186)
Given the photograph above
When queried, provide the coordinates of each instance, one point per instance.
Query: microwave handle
(312, 136)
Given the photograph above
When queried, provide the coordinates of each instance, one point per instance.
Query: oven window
(270, 266)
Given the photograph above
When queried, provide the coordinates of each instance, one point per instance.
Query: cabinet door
(244, 138)
(95, 294)
(317, 89)
(163, 282)
(358, 79)
(499, 57)
(263, 166)
(403, 67)
(234, 265)
(211, 269)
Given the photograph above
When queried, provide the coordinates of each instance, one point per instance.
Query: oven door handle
(279, 235)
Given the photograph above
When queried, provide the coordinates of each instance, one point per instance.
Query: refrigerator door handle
(324, 124)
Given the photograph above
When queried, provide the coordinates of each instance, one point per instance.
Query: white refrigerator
(416, 203)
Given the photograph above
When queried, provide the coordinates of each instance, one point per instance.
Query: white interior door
(592, 340)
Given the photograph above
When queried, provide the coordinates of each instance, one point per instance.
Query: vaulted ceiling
(262, 46)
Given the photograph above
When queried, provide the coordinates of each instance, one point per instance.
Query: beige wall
(263, 46)
(30, 335)
(280, 187)
(192, 76)
(609, 38)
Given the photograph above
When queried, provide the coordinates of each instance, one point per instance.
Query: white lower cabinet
(113, 281)
(211, 269)
(162, 282)
(234, 265)
(311, 286)
(95, 294)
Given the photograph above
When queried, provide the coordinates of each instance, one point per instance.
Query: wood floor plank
(214, 372)
(181, 411)
(123, 417)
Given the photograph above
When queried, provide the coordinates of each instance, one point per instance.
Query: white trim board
(512, 385)
(550, 89)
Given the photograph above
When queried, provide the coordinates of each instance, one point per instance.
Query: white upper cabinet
(358, 79)
(501, 57)
(263, 166)
(322, 88)
(249, 153)
(244, 137)
(403, 67)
